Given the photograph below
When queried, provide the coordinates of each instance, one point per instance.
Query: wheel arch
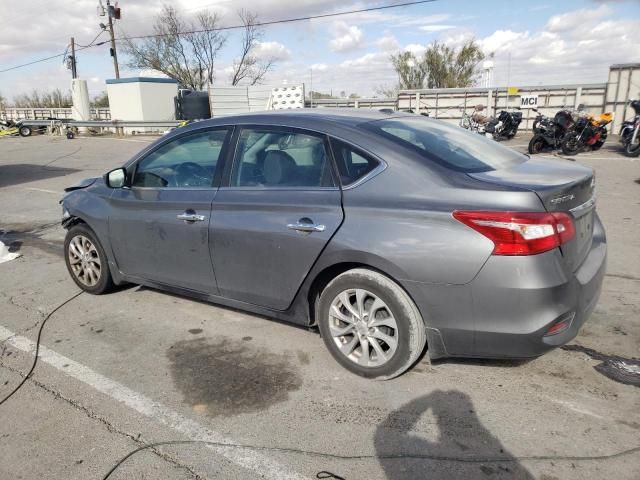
(329, 272)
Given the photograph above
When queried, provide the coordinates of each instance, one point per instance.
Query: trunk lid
(561, 187)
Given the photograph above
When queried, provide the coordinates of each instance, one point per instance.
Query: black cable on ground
(446, 458)
(35, 360)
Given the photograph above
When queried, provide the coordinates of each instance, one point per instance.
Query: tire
(632, 150)
(25, 131)
(537, 144)
(570, 145)
(397, 319)
(90, 257)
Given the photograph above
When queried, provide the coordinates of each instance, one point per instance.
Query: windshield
(449, 145)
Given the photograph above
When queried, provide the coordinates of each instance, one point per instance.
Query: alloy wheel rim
(363, 328)
(84, 260)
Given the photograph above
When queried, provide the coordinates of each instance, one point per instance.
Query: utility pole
(112, 13)
(74, 70)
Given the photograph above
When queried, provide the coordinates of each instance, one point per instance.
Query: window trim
(217, 175)
(234, 155)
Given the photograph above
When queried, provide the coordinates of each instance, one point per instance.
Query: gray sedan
(391, 233)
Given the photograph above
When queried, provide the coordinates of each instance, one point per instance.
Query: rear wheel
(86, 260)
(370, 325)
(537, 144)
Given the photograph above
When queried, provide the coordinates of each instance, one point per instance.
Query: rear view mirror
(116, 178)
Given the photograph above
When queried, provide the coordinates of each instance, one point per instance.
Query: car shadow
(18, 173)
(454, 444)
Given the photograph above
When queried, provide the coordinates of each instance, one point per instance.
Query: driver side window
(188, 161)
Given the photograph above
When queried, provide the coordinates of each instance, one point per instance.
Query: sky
(534, 42)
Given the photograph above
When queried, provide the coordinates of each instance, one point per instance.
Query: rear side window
(267, 158)
(353, 164)
(446, 144)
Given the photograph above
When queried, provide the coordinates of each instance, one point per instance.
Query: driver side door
(159, 224)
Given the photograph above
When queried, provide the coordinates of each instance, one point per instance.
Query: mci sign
(529, 101)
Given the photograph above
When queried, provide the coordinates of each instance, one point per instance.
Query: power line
(92, 41)
(235, 27)
(286, 20)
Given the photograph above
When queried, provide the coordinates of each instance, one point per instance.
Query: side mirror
(116, 178)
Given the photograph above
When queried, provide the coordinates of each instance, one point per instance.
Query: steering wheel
(190, 174)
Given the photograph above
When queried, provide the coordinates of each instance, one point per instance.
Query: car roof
(304, 116)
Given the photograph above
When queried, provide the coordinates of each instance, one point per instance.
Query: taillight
(520, 233)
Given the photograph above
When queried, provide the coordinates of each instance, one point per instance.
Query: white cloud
(436, 28)
(415, 48)
(388, 43)
(571, 20)
(319, 67)
(345, 37)
(274, 50)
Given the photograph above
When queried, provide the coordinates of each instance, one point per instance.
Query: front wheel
(25, 131)
(570, 145)
(537, 144)
(370, 325)
(632, 149)
(86, 260)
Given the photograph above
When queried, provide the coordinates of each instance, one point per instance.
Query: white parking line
(261, 464)
(44, 190)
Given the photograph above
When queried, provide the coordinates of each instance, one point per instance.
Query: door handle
(191, 217)
(306, 227)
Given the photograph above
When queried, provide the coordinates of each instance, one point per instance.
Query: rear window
(352, 164)
(446, 144)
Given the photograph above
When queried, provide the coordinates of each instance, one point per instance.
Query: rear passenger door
(271, 220)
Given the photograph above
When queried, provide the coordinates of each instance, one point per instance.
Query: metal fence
(45, 113)
(449, 103)
(352, 103)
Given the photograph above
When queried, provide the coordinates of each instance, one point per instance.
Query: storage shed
(142, 99)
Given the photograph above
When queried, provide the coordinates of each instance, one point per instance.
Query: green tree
(448, 67)
(411, 71)
(100, 101)
(440, 66)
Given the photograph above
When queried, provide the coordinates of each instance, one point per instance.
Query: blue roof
(140, 80)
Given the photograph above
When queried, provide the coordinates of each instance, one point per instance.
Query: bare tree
(248, 68)
(43, 99)
(387, 91)
(184, 50)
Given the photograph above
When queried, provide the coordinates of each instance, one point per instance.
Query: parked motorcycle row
(503, 127)
(571, 131)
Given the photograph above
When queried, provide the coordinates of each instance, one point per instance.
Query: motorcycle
(505, 126)
(549, 132)
(474, 122)
(587, 131)
(630, 132)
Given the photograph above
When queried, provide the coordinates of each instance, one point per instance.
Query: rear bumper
(508, 308)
